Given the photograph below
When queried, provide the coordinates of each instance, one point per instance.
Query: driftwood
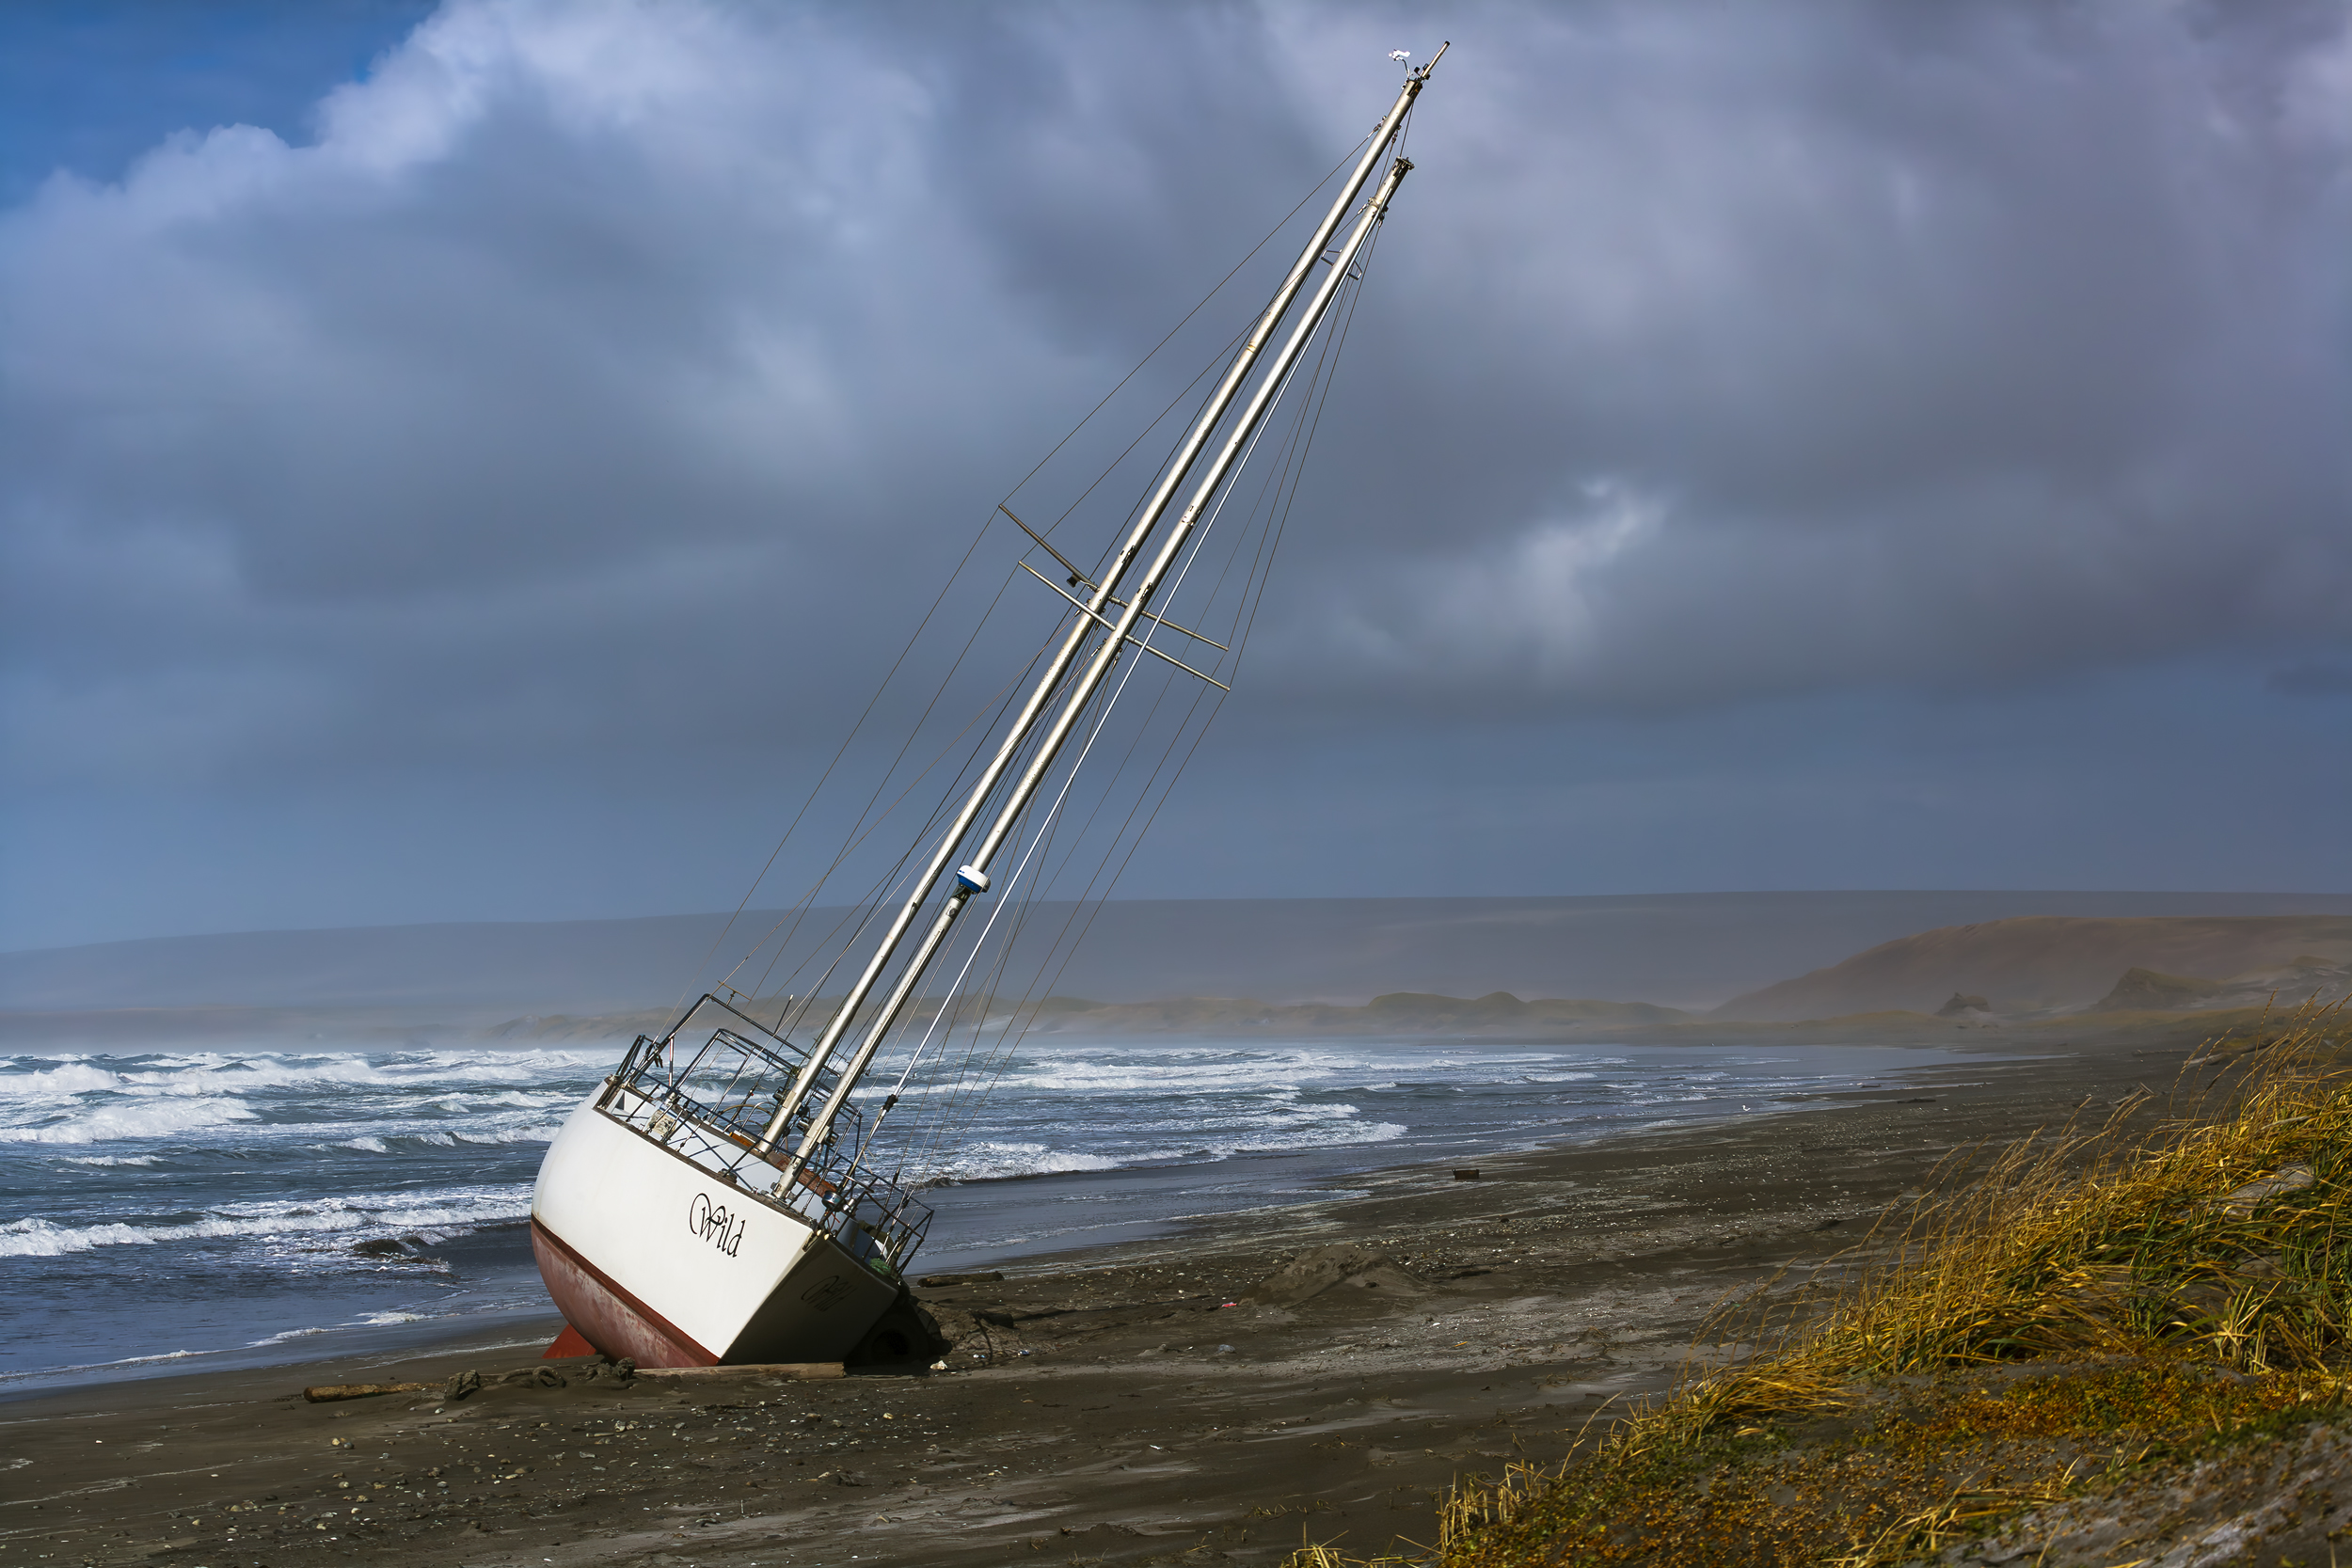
(805, 1369)
(326, 1392)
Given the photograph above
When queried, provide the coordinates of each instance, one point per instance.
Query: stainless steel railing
(711, 1104)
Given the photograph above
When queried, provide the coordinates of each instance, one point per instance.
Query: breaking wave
(132, 1119)
(352, 1218)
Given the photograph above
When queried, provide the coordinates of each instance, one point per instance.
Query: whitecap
(451, 1210)
(71, 1079)
(135, 1119)
(38, 1238)
(281, 1337)
(542, 1133)
(995, 1161)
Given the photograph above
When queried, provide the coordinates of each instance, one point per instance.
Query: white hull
(652, 1257)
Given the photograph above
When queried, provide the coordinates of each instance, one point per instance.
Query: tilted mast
(972, 878)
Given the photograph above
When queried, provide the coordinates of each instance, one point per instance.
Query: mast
(972, 878)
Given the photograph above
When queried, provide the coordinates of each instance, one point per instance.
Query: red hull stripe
(648, 1326)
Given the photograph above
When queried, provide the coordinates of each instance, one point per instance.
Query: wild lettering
(712, 1222)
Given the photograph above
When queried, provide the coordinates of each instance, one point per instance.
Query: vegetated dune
(2041, 963)
(2143, 988)
(2306, 977)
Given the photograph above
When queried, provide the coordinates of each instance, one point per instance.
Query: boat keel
(568, 1344)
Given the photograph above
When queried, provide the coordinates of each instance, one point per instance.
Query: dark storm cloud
(597, 364)
(1839, 345)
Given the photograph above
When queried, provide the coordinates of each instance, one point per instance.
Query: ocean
(168, 1210)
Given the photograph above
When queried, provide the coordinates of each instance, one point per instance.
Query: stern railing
(710, 1105)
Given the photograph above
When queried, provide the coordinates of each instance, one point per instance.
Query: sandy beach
(1136, 1404)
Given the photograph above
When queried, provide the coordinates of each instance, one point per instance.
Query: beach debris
(460, 1385)
(1342, 1263)
(536, 1377)
(326, 1392)
(625, 1369)
(1466, 1173)
(941, 1281)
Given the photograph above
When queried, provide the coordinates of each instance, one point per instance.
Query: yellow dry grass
(2222, 1238)
(2219, 1229)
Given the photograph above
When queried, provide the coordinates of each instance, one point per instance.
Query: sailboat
(716, 1200)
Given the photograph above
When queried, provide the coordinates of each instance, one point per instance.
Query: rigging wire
(1173, 330)
(1000, 700)
(1292, 471)
(1070, 778)
(914, 638)
(1289, 469)
(796, 912)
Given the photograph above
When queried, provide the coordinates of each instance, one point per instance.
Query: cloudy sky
(472, 461)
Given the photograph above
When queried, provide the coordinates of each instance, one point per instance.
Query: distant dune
(1502, 1017)
(1399, 1013)
(2041, 963)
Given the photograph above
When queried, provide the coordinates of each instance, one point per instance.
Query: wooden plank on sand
(809, 1370)
(324, 1392)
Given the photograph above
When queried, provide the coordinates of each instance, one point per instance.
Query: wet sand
(1105, 1407)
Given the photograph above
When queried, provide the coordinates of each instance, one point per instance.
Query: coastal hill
(2047, 963)
(1265, 969)
(1677, 950)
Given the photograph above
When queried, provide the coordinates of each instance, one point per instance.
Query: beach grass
(2054, 1315)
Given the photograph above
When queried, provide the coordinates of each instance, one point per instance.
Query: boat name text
(713, 1224)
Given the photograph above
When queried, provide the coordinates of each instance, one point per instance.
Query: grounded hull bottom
(609, 1319)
